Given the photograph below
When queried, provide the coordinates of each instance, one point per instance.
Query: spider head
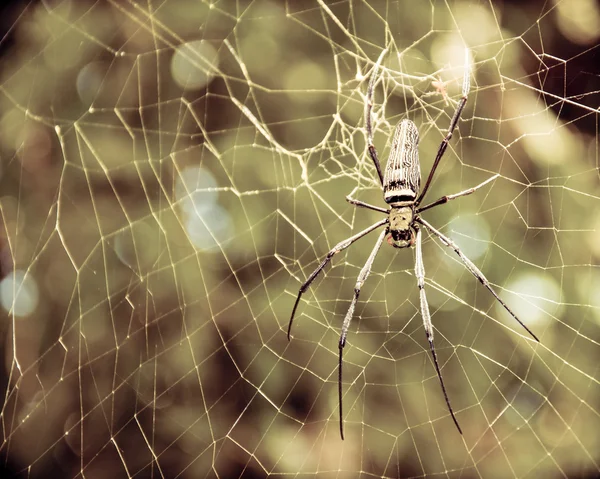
(401, 238)
(402, 234)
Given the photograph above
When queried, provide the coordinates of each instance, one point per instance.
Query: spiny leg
(445, 199)
(362, 276)
(336, 249)
(420, 273)
(368, 111)
(461, 105)
(362, 204)
(474, 271)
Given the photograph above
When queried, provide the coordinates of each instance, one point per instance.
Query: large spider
(401, 184)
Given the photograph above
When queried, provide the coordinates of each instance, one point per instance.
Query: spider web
(173, 170)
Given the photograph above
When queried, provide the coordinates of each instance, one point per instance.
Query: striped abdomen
(402, 178)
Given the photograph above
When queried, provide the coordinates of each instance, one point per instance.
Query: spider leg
(362, 204)
(474, 271)
(368, 111)
(444, 144)
(362, 276)
(342, 245)
(420, 273)
(445, 199)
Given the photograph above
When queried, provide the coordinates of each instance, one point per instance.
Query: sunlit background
(172, 171)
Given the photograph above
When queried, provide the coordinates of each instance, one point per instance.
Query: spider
(402, 226)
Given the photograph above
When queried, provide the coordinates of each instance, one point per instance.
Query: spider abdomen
(402, 179)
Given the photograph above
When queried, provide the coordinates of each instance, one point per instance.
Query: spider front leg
(474, 271)
(420, 274)
(342, 245)
(362, 277)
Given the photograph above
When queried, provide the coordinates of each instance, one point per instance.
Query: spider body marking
(403, 224)
(401, 184)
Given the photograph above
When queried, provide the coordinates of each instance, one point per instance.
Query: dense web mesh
(172, 171)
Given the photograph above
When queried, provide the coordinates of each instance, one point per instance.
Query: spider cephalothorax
(402, 233)
(401, 191)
